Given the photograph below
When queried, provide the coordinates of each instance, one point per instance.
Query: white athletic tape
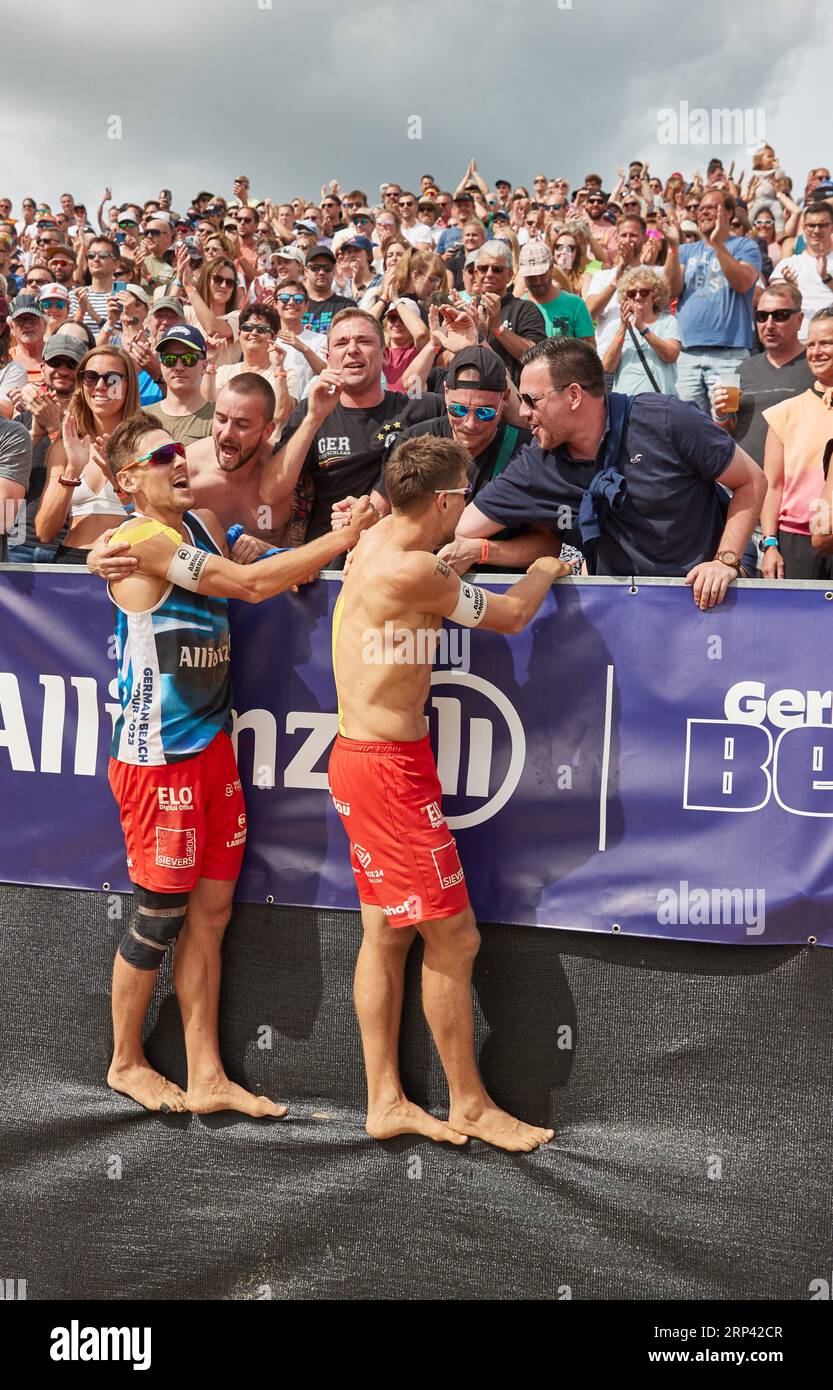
(187, 564)
(471, 606)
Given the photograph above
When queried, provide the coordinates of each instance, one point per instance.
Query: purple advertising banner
(626, 764)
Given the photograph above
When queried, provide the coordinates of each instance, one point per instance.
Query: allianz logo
(33, 737)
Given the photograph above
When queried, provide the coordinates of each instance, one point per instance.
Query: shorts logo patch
(343, 807)
(175, 798)
(176, 849)
(434, 814)
(362, 854)
(448, 866)
(410, 908)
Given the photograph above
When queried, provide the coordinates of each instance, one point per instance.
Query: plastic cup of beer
(730, 381)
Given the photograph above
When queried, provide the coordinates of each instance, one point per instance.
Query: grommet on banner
(812, 940)
(269, 898)
(615, 927)
(828, 595)
(105, 888)
(634, 589)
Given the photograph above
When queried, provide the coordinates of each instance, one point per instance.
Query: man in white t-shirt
(811, 271)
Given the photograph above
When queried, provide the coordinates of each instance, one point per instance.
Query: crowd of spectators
(642, 374)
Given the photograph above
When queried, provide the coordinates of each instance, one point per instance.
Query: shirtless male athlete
(385, 787)
(225, 469)
(173, 771)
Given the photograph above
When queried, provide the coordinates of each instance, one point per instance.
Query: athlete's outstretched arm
(429, 584)
(191, 568)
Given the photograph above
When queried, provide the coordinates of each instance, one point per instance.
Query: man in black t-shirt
(769, 377)
(513, 325)
(667, 518)
(323, 303)
(340, 435)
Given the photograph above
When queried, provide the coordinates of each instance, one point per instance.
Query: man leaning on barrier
(173, 771)
(631, 481)
(385, 787)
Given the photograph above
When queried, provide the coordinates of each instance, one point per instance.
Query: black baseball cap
(486, 363)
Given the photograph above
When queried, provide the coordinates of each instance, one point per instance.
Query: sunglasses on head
(461, 491)
(90, 379)
(292, 298)
(482, 412)
(262, 329)
(161, 456)
(188, 359)
(780, 315)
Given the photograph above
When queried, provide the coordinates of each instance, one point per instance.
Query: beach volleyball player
(385, 787)
(173, 770)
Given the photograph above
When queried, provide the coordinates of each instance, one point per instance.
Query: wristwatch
(728, 557)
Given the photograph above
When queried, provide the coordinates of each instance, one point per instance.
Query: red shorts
(402, 852)
(182, 821)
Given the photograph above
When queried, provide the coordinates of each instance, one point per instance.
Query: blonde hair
(643, 275)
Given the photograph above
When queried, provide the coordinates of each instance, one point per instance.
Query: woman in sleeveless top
(79, 489)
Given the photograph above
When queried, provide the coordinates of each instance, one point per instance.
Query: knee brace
(156, 924)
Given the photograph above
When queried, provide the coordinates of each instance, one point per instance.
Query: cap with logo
(536, 258)
(290, 253)
(487, 365)
(54, 291)
(184, 333)
(64, 345)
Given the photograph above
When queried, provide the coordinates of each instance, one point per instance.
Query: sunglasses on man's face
(461, 491)
(779, 315)
(188, 359)
(160, 457)
(99, 255)
(262, 329)
(53, 303)
(90, 379)
(60, 263)
(229, 226)
(128, 226)
(62, 364)
(482, 412)
(292, 298)
(153, 231)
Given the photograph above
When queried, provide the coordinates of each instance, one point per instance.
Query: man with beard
(225, 469)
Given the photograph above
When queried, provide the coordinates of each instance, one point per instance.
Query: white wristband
(187, 564)
(471, 606)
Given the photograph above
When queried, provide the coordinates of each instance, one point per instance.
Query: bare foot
(148, 1087)
(500, 1129)
(222, 1094)
(403, 1117)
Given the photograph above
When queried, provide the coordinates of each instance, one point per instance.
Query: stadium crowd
(641, 374)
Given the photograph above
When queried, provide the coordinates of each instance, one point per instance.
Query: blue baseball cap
(184, 333)
(360, 243)
(451, 237)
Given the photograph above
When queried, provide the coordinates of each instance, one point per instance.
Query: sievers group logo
(771, 745)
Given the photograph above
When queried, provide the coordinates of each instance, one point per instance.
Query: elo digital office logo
(771, 745)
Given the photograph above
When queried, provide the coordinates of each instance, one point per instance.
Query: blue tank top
(174, 677)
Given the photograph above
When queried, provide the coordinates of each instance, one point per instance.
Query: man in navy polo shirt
(715, 279)
(658, 508)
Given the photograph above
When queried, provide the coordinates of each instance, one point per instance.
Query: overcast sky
(299, 93)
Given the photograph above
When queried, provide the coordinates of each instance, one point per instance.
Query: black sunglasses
(780, 315)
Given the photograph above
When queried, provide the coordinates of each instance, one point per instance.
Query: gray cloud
(297, 95)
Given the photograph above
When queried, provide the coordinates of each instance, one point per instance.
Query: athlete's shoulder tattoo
(443, 569)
